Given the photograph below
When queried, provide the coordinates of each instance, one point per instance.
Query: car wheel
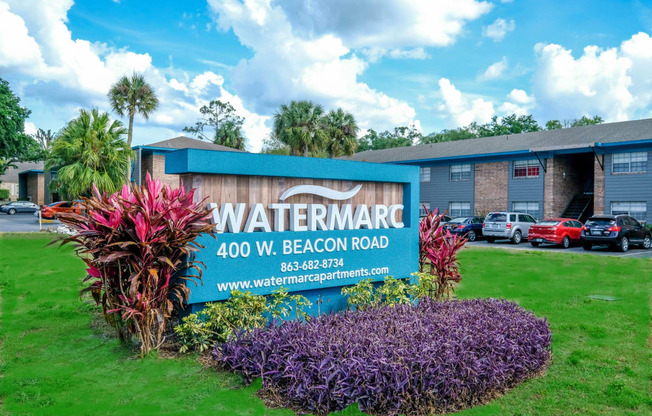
(490, 239)
(534, 244)
(624, 244)
(647, 242)
(517, 238)
(471, 236)
(587, 246)
(11, 211)
(565, 243)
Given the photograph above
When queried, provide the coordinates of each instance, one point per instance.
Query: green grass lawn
(53, 362)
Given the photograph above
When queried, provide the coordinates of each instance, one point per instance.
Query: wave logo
(321, 191)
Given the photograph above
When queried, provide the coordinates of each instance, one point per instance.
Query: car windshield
(497, 217)
(458, 220)
(548, 222)
(600, 221)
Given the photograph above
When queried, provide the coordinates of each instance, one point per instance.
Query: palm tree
(342, 130)
(300, 126)
(131, 96)
(89, 150)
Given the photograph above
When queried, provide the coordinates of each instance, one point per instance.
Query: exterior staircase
(580, 207)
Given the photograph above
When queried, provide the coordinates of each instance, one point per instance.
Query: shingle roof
(11, 176)
(575, 137)
(183, 142)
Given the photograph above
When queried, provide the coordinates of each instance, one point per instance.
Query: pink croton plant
(438, 250)
(138, 245)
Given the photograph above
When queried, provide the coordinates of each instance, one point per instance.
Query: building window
(531, 208)
(423, 206)
(460, 173)
(459, 209)
(526, 169)
(425, 174)
(637, 210)
(629, 162)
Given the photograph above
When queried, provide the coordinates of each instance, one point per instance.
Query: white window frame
(459, 209)
(422, 211)
(424, 174)
(635, 209)
(627, 160)
(529, 208)
(460, 172)
(528, 164)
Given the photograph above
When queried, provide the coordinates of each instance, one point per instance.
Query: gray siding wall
(629, 187)
(525, 190)
(441, 191)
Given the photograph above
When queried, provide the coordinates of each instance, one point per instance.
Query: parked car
(561, 231)
(507, 225)
(469, 227)
(19, 206)
(444, 219)
(618, 231)
(56, 208)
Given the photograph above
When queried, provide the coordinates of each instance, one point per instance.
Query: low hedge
(4, 194)
(434, 357)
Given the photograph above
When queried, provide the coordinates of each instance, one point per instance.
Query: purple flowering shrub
(433, 357)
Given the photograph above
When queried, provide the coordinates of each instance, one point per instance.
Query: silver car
(507, 225)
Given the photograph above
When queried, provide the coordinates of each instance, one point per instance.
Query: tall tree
(401, 136)
(511, 124)
(461, 133)
(554, 125)
(225, 125)
(576, 122)
(130, 96)
(90, 150)
(300, 126)
(44, 138)
(15, 145)
(342, 131)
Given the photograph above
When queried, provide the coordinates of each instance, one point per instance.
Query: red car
(561, 231)
(52, 210)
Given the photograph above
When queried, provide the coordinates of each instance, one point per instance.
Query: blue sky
(433, 64)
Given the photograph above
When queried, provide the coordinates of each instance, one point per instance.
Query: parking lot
(22, 223)
(635, 252)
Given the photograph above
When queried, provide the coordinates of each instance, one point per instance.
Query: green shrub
(4, 194)
(217, 322)
(363, 295)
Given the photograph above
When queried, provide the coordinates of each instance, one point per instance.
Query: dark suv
(619, 231)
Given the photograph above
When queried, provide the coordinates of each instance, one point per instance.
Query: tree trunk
(305, 151)
(130, 135)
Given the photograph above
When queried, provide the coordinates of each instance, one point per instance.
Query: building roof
(546, 140)
(183, 142)
(11, 176)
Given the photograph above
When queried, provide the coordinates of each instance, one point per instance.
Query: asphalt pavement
(23, 223)
(635, 251)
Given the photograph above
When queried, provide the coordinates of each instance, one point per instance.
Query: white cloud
(66, 72)
(518, 102)
(612, 83)
(496, 70)
(387, 24)
(375, 54)
(306, 52)
(460, 110)
(499, 29)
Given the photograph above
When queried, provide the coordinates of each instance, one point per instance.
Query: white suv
(507, 225)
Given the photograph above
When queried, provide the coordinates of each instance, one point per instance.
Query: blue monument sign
(306, 224)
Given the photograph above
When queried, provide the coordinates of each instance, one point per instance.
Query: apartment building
(572, 172)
